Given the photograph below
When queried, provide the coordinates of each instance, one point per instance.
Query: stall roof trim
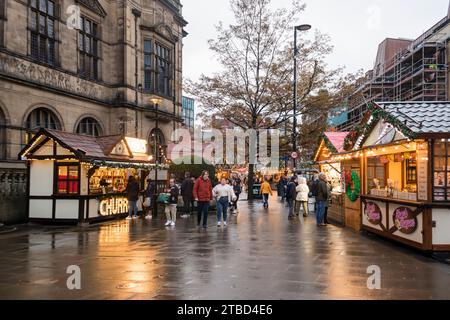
(86, 147)
(337, 139)
(420, 117)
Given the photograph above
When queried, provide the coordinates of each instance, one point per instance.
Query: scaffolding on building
(417, 73)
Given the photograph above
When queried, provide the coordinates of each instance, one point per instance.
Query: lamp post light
(137, 14)
(303, 27)
(156, 101)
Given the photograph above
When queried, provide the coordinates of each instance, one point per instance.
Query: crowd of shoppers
(201, 193)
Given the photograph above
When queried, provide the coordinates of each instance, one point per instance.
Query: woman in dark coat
(132, 192)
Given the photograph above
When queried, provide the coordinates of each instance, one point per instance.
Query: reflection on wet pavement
(261, 255)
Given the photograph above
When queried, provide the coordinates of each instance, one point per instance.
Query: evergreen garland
(120, 165)
(377, 114)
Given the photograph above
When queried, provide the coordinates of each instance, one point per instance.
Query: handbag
(147, 202)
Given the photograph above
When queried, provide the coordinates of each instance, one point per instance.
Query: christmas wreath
(353, 194)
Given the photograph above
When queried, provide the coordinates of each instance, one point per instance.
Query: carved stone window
(41, 118)
(158, 69)
(89, 127)
(42, 30)
(148, 65)
(2, 9)
(2, 136)
(88, 53)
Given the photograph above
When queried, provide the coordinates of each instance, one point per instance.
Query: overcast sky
(356, 27)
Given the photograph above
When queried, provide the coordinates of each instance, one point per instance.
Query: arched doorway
(40, 118)
(157, 139)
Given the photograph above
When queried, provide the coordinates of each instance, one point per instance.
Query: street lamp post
(137, 15)
(156, 101)
(303, 27)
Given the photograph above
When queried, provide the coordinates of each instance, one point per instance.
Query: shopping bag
(147, 202)
(163, 198)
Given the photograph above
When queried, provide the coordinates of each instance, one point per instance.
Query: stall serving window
(393, 176)
(441, 170)
(68, 182)
(376, 173)
(109, 180)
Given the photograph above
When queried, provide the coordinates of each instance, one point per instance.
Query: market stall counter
(82, 179)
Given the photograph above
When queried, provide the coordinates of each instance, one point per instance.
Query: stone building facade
(94, 67)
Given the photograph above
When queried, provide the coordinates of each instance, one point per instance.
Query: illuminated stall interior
(404, 151)
(76, 178)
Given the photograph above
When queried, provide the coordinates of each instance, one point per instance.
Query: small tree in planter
(196, 170)
(179, 170)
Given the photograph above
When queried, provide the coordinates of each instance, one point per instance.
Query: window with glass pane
(163, 70)
(42, 28)
(40, 118)
(68, 179)
(89, 127)
(147, 65)
(441, 167)
(88, 57)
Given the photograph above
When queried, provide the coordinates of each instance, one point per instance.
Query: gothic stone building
(93, 67)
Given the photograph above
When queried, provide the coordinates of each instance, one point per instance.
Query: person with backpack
(291, 195)
(203, 195)
(187, 188)
(172, 203)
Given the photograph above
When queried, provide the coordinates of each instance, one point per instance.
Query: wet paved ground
(261, 255)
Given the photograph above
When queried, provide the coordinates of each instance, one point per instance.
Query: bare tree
(254, 88)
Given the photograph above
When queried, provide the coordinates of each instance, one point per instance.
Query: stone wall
(13, 184)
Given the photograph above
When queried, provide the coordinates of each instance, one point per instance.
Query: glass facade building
(188, 112)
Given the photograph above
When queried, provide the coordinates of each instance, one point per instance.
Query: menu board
(422, 171)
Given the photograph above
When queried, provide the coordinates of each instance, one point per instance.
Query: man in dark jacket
(322, 199)
(281, 187)
(132, 192)
(291, 195)
(149, 195)
(187, 188)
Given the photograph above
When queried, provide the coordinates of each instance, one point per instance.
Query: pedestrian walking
(132, 191)
(172, 203)
(321, 198)
(325, 216)
(302, 196)
(282, 187)
(224, 195)
(187, 189)
(203, 195)
(237, 189)
(149, 194)
(266, 190)
(291, 195)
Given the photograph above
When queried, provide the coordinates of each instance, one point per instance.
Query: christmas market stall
(404, 184)
(332, 143)
(82, 179)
